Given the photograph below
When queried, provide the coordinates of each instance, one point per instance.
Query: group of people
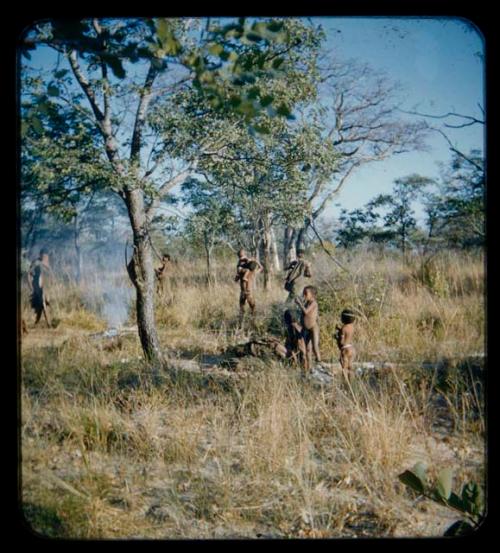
(301, 316)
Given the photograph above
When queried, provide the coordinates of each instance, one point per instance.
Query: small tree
(456, 211)
(210, 222)
(356, 226)
(400, 221)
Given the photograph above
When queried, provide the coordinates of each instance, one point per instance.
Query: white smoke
(107, 290)
(116, 301)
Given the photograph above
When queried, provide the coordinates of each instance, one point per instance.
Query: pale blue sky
(439, 63)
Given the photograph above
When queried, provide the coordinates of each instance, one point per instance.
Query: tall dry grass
(107, 451)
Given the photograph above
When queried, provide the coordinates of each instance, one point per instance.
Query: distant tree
(456, 210)
(399, 221)
(210, 222)
(355, 226)
(387, 218)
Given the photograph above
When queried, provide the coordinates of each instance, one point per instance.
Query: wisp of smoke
(110, 295)
(116, 303)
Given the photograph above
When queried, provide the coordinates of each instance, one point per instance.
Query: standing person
(243, 260)
(164, 286)
(310, 325)
(296, 272)
(344, 336)
(246, 270)
(38, 273)
(294, 345)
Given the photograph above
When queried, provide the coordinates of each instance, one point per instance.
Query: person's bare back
(247, 278)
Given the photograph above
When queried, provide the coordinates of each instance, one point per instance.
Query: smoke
(107, 290)
(116, 304)
(110, 297)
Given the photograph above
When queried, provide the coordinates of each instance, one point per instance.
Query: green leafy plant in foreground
(470, 502)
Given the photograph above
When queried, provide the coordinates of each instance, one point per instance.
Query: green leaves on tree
(169, 44)
(285, 111)
(116, 65)
(36, 124)
(61, 73)
(52, 90)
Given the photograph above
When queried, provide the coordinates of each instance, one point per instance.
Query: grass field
(110, 452)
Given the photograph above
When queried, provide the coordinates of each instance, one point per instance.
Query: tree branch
(166, 186)
(334, 192)
(311, 223)
(103, 124)
(140, 117)
(449, 114)
(85, 86)
(458, 152)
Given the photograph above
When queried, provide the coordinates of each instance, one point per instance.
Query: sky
(440, 64)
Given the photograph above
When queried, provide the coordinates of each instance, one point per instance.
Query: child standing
(310, 325)
(344, 337)
(294, 344)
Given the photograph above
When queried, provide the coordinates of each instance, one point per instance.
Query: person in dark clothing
(38, 273)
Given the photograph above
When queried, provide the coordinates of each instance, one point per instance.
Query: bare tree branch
(472, 120)
(325, 248)
(456, 151)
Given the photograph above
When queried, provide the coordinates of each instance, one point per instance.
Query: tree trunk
(144, 276)
(265, 252)
(78, 252)
(274, 253)
(289, 252)
(403, 243)
(208, 257)
(301, 235)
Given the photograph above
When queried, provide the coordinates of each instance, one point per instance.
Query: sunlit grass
(109, 452)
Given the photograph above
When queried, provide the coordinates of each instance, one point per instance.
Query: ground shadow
(42, 520)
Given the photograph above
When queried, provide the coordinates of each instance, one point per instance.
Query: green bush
(469, 503)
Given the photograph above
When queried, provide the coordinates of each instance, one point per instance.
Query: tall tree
(357, 109)
(265, 173)
(112, 71)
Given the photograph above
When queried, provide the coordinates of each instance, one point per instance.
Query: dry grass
(107, 452)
